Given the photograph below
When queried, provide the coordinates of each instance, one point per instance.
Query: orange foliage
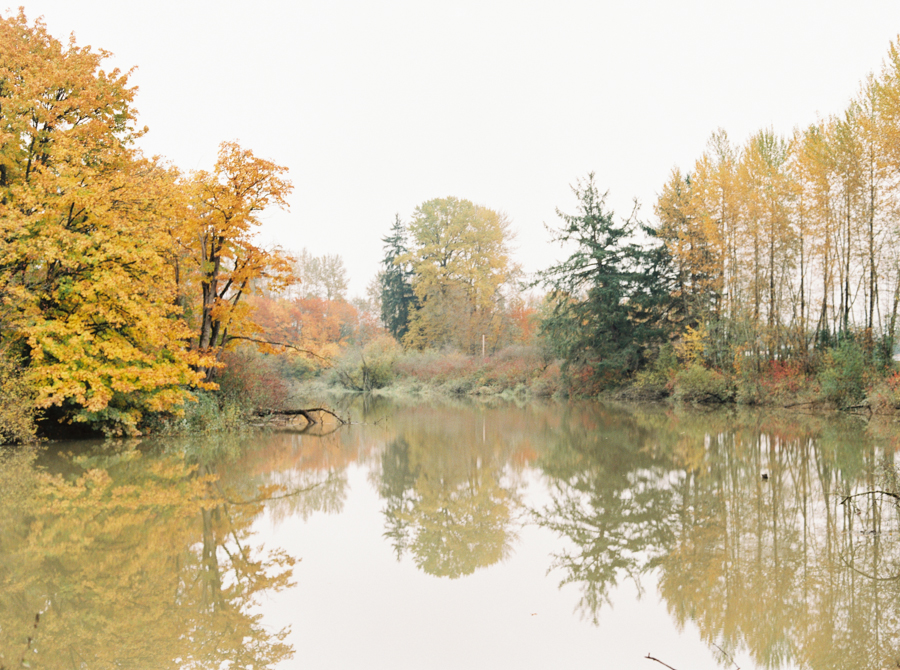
(320, 326)
(225, 208)
(524, 318)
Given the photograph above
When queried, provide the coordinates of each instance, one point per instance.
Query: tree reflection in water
(449, 499)
(786, 568)
(128, 557)
(131, 559)
(606, 498)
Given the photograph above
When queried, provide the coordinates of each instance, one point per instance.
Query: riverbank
(839, 379)
(254, 383)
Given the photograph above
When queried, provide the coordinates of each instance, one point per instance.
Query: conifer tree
(397, 297)
(607, 294)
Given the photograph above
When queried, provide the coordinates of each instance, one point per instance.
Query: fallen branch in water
(660, 662)
(305, 413)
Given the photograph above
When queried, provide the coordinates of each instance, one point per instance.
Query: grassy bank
(384, 367)
(841, 377)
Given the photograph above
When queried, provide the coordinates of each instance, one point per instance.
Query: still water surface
(450, 536)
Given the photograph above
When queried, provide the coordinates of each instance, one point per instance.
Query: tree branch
(660, 662)
(305, 413)
(277, 344)
(866, 493)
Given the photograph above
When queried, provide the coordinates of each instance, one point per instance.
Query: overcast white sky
(377, 107)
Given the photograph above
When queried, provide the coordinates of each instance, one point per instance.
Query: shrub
(437, 367)
(380, 364)
(511, 367)
(459, 386)
(885, 395)
(661, 372)
(208, 412)
(251, 380)
(369, 368)
(786, 375)
(548, 382)
(844, 373)
(698, 384)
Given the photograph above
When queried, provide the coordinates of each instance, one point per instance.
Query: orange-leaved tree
(230, 263)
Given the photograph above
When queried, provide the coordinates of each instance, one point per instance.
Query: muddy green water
(460, 536)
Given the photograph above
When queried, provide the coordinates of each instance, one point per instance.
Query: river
(450, 535)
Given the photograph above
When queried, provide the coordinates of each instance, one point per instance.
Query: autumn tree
(802, 230)
(314, 327)
(887, 127)
(85, 291)
(16, 402)
(369, 306)
(694, 246)
(876, 200)
(715, 195)
(225, 217)
(524, 317)
(459, 256)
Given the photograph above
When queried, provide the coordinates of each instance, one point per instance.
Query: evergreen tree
(397, 297)
(608, 296)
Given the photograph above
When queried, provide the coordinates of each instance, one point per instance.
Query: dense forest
(135, 296)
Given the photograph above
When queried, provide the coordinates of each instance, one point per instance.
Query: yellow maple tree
(85, 290)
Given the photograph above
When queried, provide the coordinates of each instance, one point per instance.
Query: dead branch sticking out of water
(660, 662)
(305, 413)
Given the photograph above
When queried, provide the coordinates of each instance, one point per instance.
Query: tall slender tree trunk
(873, 276)
(889, 338)
(802, 343)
